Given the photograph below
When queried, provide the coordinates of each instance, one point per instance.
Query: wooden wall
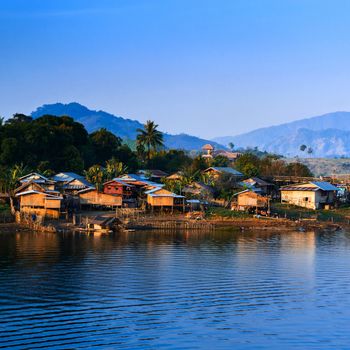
(250, 199)
(298, 198)
(99, 198)
(160, 201)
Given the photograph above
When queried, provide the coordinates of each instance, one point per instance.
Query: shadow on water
(175, 290)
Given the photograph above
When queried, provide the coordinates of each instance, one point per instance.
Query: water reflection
(175, 290)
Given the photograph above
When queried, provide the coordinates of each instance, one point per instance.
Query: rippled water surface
(147, 290)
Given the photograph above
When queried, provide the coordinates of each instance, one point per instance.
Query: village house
(38, 179)
(118, 187)
(161, 198)
(258, 185)
(248, 200)
(71, 183)
(198, 190)
(125, 190)
(39, 203)
(216, 172)
(33, 185)
(153, 174)
(175, 177)
(311, 195)
(207, 151)
(90, 197)
(231, 156)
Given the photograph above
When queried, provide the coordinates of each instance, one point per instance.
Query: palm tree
(189, 175)
(11, 180)
(303, 148)
(114, 168)
(150, 137)
(96, 175)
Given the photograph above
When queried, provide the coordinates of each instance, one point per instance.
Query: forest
(51, 144)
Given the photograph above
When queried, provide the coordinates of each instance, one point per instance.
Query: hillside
(325, 166)
(328, 135)
(125, 128)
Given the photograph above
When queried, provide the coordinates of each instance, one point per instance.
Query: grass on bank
(341, 214)
(292, 212)
(219, 212)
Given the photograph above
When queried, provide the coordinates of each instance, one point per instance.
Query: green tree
(150, 138)
(114, 168)
(11, 178)
(169, 160)
(105, 144)
(9, 150)
(96, 175)
(249, 164)
(298, 169)
(220, 161)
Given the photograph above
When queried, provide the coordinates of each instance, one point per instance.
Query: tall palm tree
(11, 181)
(150, 137)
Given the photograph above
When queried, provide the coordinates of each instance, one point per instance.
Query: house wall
(251, 200)
(298, 198)
(113, 188)
(52, 204)
(33, 200)
(322, 197)
(99, 198)
(160, 201)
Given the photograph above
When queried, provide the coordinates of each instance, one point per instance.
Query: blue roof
(67, 177)
(134, 177)
(325, 186)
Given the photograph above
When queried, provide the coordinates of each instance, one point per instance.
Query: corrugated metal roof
(134, 177)
(67, 177)
(166, 195)
(87, 190)
(228, 170)
(257, 180)
(49, 196)
(153, 190)
(121, 182)
(317, 185)
(325, 186)
(299, 188)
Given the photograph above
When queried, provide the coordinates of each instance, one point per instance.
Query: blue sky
(208, 68)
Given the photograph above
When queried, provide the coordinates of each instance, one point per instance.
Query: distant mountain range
(125, 128)
(328, 135)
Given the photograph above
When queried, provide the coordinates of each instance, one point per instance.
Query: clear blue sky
(209, 68)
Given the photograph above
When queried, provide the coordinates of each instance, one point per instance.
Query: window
(306, 199)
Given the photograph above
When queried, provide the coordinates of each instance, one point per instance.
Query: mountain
(328, 135)
(125, 128)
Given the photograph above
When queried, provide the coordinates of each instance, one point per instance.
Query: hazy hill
(325, 166)
(328, 135)
(125, 128)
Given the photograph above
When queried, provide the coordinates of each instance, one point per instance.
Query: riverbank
(219, 219)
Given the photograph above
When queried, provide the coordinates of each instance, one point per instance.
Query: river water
(149, 290)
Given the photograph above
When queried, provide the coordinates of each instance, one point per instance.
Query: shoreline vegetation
(51, 144)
